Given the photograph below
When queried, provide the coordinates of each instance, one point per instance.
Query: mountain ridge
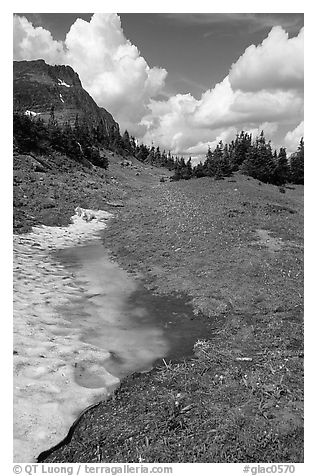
(40, 88)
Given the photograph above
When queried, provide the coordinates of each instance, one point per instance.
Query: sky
(182, 81)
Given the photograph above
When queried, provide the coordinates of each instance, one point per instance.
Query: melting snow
(62, 83)
(47, 399)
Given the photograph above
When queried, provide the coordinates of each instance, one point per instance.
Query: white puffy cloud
(110, 67)
(277, 63)
(263, 89)
(185, 124)
(170, 123)
(222, 106)
(293, 137)
(35, 43)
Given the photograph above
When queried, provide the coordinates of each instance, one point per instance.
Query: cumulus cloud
(263, 89)
(111, 68)
(183, 122)
(277, 63)
(222, 106)
(109, 65)
(35, 43)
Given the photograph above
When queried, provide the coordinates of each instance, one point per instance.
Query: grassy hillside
(48, 188)
(235, 247)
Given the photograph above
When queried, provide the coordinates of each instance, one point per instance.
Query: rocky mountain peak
(38, 87)
(43, 73)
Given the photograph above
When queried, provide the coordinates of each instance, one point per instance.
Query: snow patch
(62, 83)
(61, 98)
(47, 398)
(30, 113)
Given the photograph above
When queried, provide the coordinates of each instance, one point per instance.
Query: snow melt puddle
(116, 313)
(106, 315)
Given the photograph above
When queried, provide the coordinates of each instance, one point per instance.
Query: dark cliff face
(37, 87)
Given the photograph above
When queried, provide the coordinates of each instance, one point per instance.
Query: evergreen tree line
(153, 156)
(253, 158)
(81, 141)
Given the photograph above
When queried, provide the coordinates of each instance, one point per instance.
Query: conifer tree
(282, 171)
(217, 162)
(199, 170)
(239, 150)
(142, 153)
(259, 163)
(157, 157)
(126, 141)
(297, 164)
